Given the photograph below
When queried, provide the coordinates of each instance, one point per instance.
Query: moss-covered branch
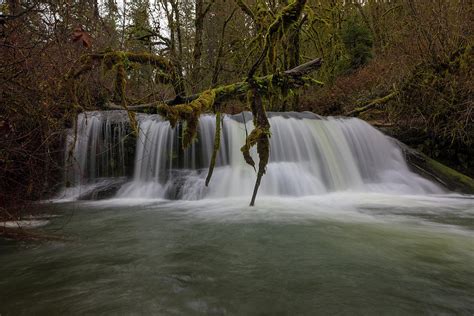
(110, 59)
(288, 16)
(260, 136)
(371, 104)
(119, 61)
(217, 145)
(290, 79)
(189, 113)
(246, 9)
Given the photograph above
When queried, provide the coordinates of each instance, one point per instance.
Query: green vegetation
(357, 42)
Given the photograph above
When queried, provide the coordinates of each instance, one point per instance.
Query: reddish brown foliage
(82, 37)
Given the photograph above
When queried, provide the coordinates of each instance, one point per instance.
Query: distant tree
(357, 41)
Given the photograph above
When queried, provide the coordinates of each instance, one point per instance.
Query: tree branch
(292, 78)
(372, 104)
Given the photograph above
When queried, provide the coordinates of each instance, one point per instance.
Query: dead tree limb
(371, 104)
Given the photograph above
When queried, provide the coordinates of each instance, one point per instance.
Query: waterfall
(309, 155)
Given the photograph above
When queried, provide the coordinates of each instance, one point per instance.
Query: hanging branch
(217, 144)
(120, 86)
(118, 60)
(260, 135)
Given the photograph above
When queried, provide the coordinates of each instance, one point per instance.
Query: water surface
(344, 253)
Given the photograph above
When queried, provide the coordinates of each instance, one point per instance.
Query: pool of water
(345, 254)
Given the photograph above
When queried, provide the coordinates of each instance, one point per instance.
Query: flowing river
(341, 226)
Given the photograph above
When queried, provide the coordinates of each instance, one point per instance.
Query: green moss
(120, 91)
(151, 59)
(120, 83)
(451, 174)
(189, 113)
(119, 61)
(436, 171)
(217, 144)
(203, 103)
(288, 16)
(252, 140)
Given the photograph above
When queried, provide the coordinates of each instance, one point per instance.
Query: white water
(309, 156)
(96, 147)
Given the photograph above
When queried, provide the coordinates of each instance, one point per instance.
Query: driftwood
(293, 78)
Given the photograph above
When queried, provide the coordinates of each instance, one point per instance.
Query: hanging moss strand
(259, 136)
(120, 91)
(217, 145)
(189, 113)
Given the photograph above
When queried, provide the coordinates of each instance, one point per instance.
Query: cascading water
(338, 214)
(309, 155)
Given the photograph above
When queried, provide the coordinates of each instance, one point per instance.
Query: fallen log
(436, 171)
(289, 79)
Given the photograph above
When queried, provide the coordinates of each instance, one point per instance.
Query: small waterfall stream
(310, 155)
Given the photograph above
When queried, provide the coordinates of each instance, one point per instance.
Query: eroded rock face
(103, 190)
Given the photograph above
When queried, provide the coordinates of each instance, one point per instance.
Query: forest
(242, 157)
(403, 66)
